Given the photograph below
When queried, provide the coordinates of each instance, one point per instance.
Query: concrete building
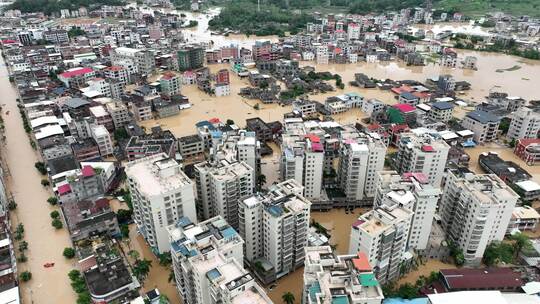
(118, 73)
(161, 194)
(119, 113)
(170, 84)
(190, 58)
(525, 124)
(103, 139)
(475, 210)
(220, 186)
(208, 264)
(411, 191)
(360, 159)
(274, 226)
(142, 59)
(305, 107)
(382, 235)
(331, 278)
(528, 150)
(76, 77)
(483, 124)
(191, 146)
(159, 141)
(424, 153)
(441, 111)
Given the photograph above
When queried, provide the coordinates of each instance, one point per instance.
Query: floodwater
(48, 285)
(516, 83)
(293, 283)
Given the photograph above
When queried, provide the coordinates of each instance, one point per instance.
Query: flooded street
(48, 285)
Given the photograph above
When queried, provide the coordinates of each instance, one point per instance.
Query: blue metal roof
(482, 116)
(408, 96)
(228, 232)
(442, 105)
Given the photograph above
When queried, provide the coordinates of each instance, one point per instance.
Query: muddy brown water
(48, 285)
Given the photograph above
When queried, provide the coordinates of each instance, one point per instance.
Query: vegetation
(69, 253)
(269, 20)
(288, 297)
(124, 230)
(55, 214)
(45, 182)
(165, 259)
(19, 232)
(120, 134)
(79, 286)
(124, 216)
(498, 252)
(76, 31)
(23, 246)
(296, 91)
(320, 228)
(141, 268)
(230, 122)
(56, 223)
(52, 200)
(12, 205)
(365, 6)
(52, 6)
(26, 124)
(41, 168)
(521, 242)
(408, 290)
(510, 47)
(456, 253)
(480, 7)
(25, 276)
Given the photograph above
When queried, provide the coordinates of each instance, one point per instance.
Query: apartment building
(103, 139)
(76, 77)
(161, 194)
(359, 160)
(102, 117)
(382, 235)
(414, 192)
(331, 278)
(208, 264)
(220, 186)
(118, 73)
(525, 124)
(274, 226)
(441, 111)
(159, 141)
(190, 57)
(142, 59)
(422, 153)
(119, 113)
(475, 210)
(483, 124)
(170, 84)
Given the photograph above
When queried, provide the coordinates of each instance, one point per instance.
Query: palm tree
(521, 241)
(134, 254)
(288, 297)
(142, 268)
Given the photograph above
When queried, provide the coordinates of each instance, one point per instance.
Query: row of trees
(52, 6)
(507, 251)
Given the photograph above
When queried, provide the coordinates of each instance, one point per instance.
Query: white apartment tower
(423, 153)
(208, 264)
(414, 192)
(274, 226)
(220, 186)
(142, 59)
(525, 124)
(382, 235)
(475, 210)
(350, 275)
(161, 194)
(360, 159)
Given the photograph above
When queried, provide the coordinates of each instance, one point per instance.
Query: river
(48, 285)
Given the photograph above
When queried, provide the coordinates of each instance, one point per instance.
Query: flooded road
(48, 285)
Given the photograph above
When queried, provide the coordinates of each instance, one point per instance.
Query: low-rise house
(441, 111)
(261, 129)
(191, 146)
(89, 218)
(86, 150)
(528, 150)
(150, 144)
(523, 218)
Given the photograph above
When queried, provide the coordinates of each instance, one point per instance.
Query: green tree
(120, 134)
(141, 268)
(23, 246)
(134, 254)
(55, 214)
(76, 31)
(521, 242)
(230, 122)
(56, 223)
(165, 259)
(124, 230)
(407, 291)
(12, 205)
(69, 253)
(45, 182)
(288, 297)
(41, 168)
(25, 276)
(52, 200)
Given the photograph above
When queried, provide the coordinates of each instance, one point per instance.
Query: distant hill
(51, 6)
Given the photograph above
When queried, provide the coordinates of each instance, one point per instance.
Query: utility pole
(258, 5)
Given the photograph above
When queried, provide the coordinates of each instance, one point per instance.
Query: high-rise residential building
(331, 278)
(414, 192)
(208, 264)
(274, 226)
(353, 31)
(142, 59)
(422, 153)
(161, 194)
(190, 57)
(220, 186)
(360, 158)
(525, 124)
(382, 235)
(475, 210)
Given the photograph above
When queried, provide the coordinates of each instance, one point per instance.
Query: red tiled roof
(214, 120)
(357, 223)
(76, 72)
(66, 188)
(88, 171)
(486, 278)
(114, 68)
(427, 148)
(361, 263)
(313, 138)
(419, 176)
(405, 108)
(528, 141)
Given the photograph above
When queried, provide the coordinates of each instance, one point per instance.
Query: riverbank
(48, 285)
